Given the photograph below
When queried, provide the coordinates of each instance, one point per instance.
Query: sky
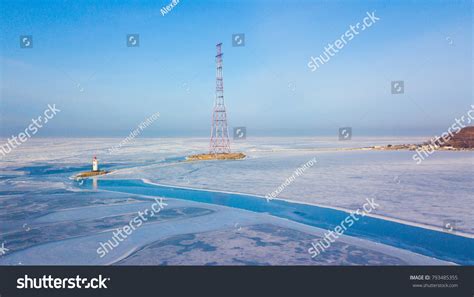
(81, 63)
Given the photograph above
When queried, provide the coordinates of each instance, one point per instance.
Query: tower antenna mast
(219, 143)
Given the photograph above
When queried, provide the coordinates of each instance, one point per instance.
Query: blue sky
(80, 62)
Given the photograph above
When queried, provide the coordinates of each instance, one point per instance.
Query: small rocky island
(221, 156)
(91, 173)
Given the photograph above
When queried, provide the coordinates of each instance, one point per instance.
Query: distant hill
(462, 139)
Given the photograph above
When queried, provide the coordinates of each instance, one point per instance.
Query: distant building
(95, 164)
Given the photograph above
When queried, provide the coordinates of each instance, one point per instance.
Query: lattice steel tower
(219, 132)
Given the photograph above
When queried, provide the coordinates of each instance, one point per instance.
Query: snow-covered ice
(37, 192)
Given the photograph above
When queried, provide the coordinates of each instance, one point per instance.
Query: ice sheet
(37, 194)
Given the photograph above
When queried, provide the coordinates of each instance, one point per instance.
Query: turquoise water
(440, 245)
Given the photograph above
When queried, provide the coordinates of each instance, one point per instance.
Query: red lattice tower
(219, 132)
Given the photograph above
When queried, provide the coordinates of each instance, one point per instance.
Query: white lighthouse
(95, 164)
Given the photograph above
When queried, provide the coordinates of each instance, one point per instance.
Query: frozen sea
(216, 213)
